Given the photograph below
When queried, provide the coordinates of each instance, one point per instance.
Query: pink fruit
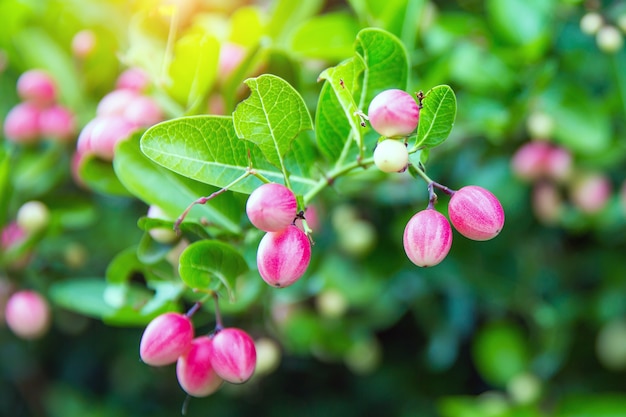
(134, 79)
(283, 257)
(57, 122)
(231, 55)
(107, 132)
(476, 213)
(27, 314)
(116, 102)
(233, 355)
(529, 161)
(591, 192)
(21, 124)
(37, 87)
(83, 43)
(271, 207)
(558, 164)
(547, 202)
(166, 337)
(393, 113)
(427, 238)
(143, 111)
(194, 369)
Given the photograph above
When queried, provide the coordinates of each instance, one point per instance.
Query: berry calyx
(283, 257)
(391, 155)
(476, 213)
(427, 238)
(27, 314)
(271, 207)
(194, 369)
(393, 113)
(233, 355)
(166, 337)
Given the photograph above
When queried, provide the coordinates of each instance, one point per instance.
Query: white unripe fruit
(591, 23)
(33, 216)
(391, 155)
(609, 39)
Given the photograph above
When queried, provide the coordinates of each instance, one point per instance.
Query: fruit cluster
(204, 362)
(608, 33)
(284, 252)
(474, 211)
(119, 113)
(39, 115)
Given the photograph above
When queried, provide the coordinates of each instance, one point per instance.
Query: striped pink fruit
(427, 238)
(476, 213)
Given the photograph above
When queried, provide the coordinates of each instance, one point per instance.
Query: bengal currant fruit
(232, 354)
(283, 257)
(194, 369)
(427, 238)
(590, 192)
(27, 314)
(591, 23)
(547, 202)
(393, 113)
(161, 234)
(391, 155)
(529, 161)
(21, 124)
(271, 207)
(134, 79)
(33, 216)
(57, 123)
(268, 355)
(38, 87)
(166, 337)
(83, 43)
(476, 213)
(609, 39)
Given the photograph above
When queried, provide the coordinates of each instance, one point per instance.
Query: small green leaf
(271, 117)
(100, 176)
(287, 14)
(207, 149)
(143, 178)
(84, 296)
(336, 123)
(386, 62)
(211, 265)
(436, 117)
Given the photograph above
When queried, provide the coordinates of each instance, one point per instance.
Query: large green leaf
(287, 15)
(386, 63)
(207, 149)
(436, 117)
(329, 36)
(520, 22)
(211, 265)
(172, 192)
(100, 176)
(336, 124)
(271, 117)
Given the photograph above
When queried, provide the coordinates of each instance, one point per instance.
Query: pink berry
(107, 132)
(57, 123)
(11, 235)
(393, 113)
(116, 102)
(83, 43)
(283, 257)
(194, 369)
(22, 123)
(547, 202)
(83, 144)
(558, 164)
(27, 314)
(476, 213)
(134, 79)
(427, 238)
(529, 161)
(231, 55)
(271, 207)
(591, 192)
(38, 87)
(166, 338)
(143, 111)
(233, 355)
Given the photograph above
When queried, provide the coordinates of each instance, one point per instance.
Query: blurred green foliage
(528, 324)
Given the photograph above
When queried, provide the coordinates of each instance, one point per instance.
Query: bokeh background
(532, 323)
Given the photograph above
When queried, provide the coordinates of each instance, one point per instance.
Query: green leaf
(386, 63)
(35, 171)
(207, 149)
(271, 117)
(144, 178)
(211, 265)
(596, 405)
(100, 176)
(335, 122)
(84, 296)
(436, 117)
(500, 353)
(194, 68)
(5, 186)
(288, 14)
(521, 22)
(329, 36)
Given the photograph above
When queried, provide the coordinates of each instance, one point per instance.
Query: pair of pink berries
(203, 363)
(284, 252)
(119, 114)
(39, 115)
(475, 213)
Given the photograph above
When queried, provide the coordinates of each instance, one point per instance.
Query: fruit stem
(218, 315)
